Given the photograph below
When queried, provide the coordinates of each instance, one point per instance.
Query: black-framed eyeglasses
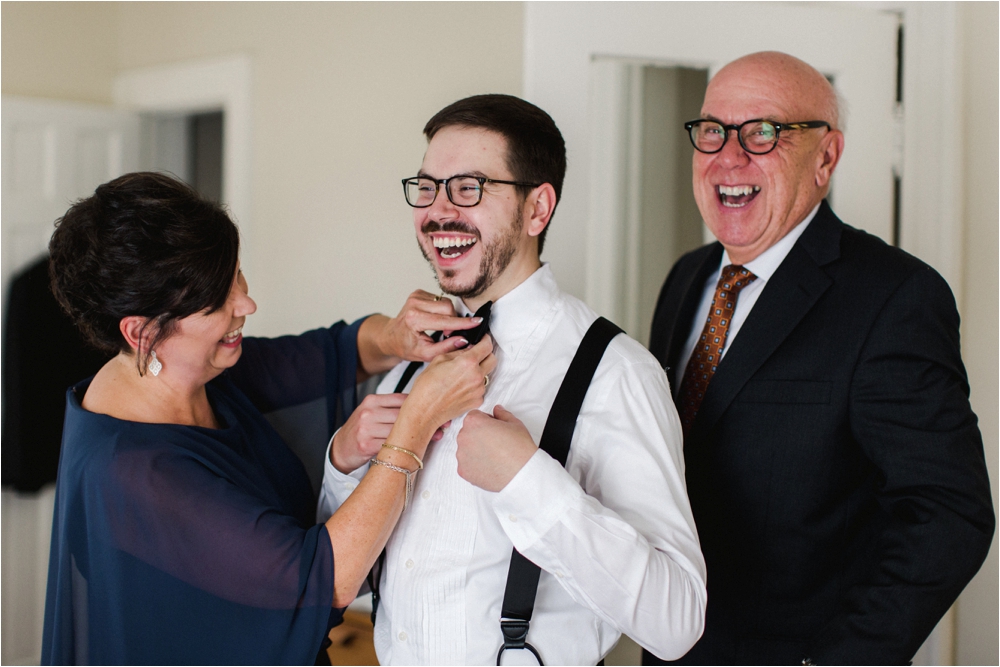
(756, 136)
(463, 190)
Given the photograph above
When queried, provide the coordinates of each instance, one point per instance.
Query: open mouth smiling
(452, 246)
(737, 196)
(233, 337)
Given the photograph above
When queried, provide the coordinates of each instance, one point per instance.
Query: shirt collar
(765, 264)
(516, 315)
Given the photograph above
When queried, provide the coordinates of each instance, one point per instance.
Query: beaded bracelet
(409, 477)
(420, 464)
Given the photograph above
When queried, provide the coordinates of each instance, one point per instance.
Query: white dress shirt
(612, 532)
(763, 267)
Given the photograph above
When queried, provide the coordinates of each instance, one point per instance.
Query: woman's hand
(366, 429)
(384, 342)
(451, 385)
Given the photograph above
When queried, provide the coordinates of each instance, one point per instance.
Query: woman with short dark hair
(184, 528)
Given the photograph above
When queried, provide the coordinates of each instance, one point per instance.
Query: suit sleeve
(910, 413)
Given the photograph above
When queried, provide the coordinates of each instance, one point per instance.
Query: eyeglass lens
(462, 191)
(755, 137)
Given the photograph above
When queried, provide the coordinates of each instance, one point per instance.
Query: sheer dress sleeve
(281, 372)
(183, 545)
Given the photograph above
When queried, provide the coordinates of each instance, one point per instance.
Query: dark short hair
(536, 152)
(143, 244)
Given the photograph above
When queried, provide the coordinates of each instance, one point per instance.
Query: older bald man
(834, 465)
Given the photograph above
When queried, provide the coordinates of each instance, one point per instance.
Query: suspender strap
(522, 577)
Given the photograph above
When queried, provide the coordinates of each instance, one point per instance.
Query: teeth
(452, 241)
(738, 190)
(232, 335)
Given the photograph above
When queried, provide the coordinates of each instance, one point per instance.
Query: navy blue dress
(185, 545)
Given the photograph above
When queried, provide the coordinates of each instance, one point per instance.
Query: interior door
(584, 64)
(53, 154)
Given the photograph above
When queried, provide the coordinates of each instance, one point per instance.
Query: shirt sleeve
(615, 526)
(337, 486)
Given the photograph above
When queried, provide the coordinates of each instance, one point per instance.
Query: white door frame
(931, 206)
(205, 85)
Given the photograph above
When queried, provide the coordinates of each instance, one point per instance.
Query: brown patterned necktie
(707, 353)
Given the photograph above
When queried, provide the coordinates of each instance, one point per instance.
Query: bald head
(796, 84)
(751, 200)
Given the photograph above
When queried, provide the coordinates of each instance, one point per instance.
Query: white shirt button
(409, 564)
(402, 636)
(513, 519)
(425, 495)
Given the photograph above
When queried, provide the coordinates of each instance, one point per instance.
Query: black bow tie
(476, 334)
(473, 335)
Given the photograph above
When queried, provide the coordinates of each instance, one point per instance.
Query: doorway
(646, 176)
(189, 146)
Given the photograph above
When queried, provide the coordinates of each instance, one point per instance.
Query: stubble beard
(496, 257)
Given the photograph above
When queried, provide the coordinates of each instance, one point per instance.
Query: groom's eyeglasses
(464, 191)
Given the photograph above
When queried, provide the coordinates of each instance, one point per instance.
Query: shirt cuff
(337, 486)
(535, 499)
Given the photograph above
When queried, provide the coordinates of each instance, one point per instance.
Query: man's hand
(366, 429)
(384, 342)
(491, 450)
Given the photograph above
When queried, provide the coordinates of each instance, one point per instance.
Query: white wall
(976, 640)
(61, 50)
(341, 92)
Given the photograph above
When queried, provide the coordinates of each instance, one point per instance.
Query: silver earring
(155, 366)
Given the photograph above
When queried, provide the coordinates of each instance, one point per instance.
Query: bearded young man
(834, 464)
(612, 531)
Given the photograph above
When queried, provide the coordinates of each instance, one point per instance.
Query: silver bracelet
(409, 477)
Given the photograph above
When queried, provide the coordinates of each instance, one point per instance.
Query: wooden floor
(353, 645)
(352, 641)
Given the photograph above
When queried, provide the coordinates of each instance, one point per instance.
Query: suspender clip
(515, 635)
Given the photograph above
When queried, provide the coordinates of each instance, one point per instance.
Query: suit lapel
(788, 296)
(692, 292)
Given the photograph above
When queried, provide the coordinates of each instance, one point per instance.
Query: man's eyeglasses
(465, 191)
(756, 136)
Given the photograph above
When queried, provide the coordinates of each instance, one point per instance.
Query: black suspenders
(522, 577)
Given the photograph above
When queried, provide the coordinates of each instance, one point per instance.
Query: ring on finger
(438, 297)
(486, 381)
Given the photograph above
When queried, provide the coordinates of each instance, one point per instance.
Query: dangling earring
(155, 366)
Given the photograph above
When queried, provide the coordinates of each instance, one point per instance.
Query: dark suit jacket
(43, 354)
(835, 467)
